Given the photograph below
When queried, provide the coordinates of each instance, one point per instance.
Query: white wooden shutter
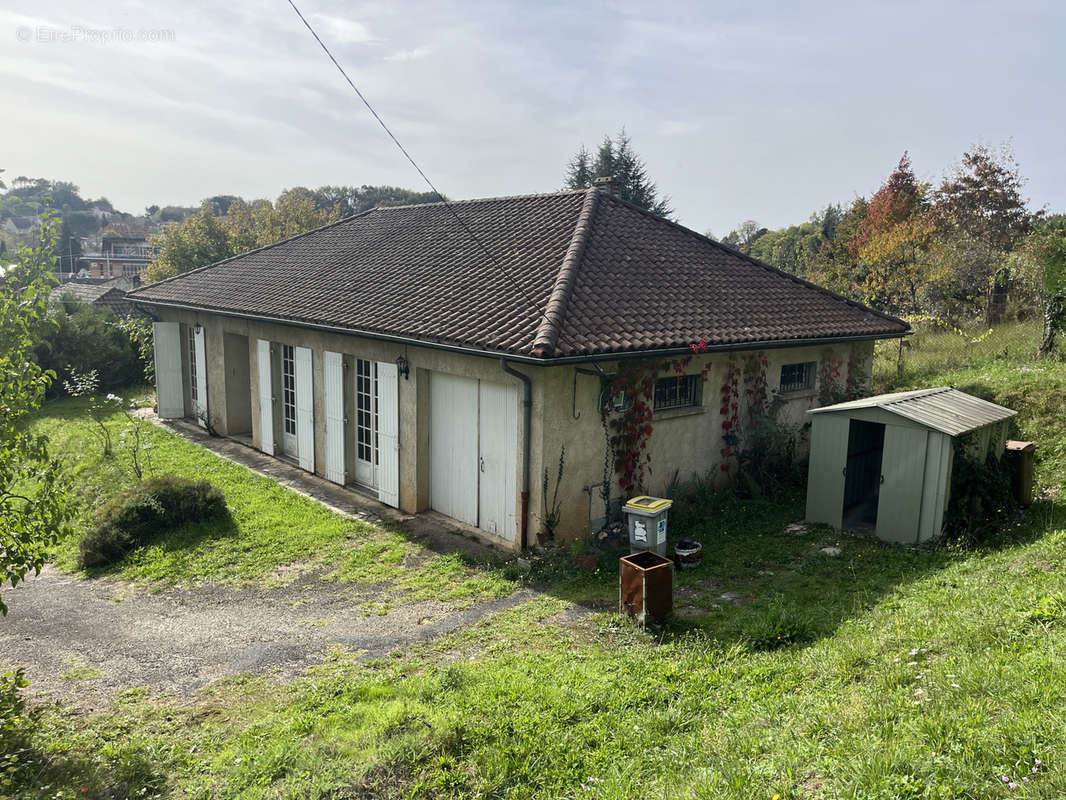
(388, 434)
(266, 399)
(200, 346)
(170, 397)
(333, 396)
(305, 409)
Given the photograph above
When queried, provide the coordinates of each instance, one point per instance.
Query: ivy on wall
(628, 427)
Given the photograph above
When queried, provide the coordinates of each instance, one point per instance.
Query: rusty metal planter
(646, 587)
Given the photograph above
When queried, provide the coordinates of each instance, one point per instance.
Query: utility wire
(543, 313)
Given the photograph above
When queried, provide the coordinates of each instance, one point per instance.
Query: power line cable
(543, 313)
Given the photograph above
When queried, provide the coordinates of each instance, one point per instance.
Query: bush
(981, 498)
(133, 517)
(86, 338)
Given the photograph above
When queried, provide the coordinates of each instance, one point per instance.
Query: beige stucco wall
(688, 442)
(413, 392)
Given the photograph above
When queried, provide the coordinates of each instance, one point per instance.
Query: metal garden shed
(884, 463)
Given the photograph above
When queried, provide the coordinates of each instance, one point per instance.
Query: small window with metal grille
(797, 377)
(679, 391)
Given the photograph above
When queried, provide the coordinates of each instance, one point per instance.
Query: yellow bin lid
(646, 503)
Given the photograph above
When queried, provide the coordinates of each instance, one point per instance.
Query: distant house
(387, 352)
(109, 294)
(119, 256)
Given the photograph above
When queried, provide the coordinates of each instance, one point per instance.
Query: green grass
(933, 350)
(887, 672)
(273, 535)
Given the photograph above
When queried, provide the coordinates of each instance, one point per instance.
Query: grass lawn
(272, 536)
(886, 672)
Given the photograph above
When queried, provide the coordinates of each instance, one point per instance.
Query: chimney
(607, 184)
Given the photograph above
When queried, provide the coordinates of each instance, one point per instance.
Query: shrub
(85, 338)
(134, 516)
(981, 498)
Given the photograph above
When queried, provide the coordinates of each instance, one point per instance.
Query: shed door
(903, 477)
(498, 439)
(825, 475)
(266, 398)
(199, 355)
(333, 400)
(453, 484)
(168, 390)
(388, 433)
(305, 409)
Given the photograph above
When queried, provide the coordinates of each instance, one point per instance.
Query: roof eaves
(547, 336)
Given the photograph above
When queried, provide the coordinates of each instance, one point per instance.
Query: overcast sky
(741, 110)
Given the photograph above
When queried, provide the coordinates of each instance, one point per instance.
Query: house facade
(442, 357)
(119, 257)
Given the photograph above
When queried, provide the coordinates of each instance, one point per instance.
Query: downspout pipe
(527, 417)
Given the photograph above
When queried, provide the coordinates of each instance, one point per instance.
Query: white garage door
(473, 452)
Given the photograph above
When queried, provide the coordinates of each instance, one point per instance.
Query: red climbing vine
(630, 395)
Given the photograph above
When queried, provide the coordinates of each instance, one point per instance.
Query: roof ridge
(547, 335)
(762, 264)
(253, 250)
(472, 200)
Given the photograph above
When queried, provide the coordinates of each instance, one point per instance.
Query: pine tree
(615, 158)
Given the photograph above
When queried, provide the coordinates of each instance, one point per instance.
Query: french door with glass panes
(288, 401)
(366, 422)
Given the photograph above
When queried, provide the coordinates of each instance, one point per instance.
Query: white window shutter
(305, 409)
(266, 398)
(170, 397)
(333, 396)
(388, 434)
(200, 346)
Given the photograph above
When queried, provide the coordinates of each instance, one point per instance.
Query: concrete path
(81, 640)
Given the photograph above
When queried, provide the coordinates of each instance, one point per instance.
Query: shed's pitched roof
(575, 274)
(943, 409)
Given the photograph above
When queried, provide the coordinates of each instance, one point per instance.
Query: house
(391, 353)
(106, 293)
(119, 256)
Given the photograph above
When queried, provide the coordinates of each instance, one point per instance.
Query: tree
(744, 235)
(34, 507)
(615, 158)
(350, 200)
(981, 200)
(891, 239)
(1047, 246)
(194, 242)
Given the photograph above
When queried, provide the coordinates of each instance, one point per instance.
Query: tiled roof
(97, 294)
(575, 274)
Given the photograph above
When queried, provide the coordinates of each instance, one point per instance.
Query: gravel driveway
(82, 640)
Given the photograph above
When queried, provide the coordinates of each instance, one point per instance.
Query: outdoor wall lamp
(403, 367)
(199, 328)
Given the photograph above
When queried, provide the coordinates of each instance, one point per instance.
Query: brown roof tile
(576, 273)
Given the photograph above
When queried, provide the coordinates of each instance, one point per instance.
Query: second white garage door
(473, 452)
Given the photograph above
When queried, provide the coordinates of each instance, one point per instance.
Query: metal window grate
(681, 391)
(797, 377)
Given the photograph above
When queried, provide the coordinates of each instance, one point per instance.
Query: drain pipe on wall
(527, 415)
